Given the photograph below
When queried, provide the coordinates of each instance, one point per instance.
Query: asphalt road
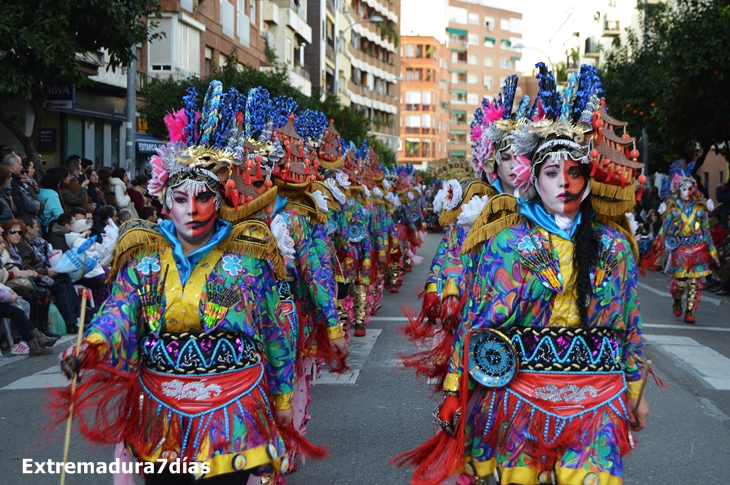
(382, 411)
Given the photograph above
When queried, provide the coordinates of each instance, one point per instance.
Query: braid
(586, 256)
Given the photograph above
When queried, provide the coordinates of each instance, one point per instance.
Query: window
(413, 147)
(473, 59)
(426, 98)
(489, 42)
(472, 79)
(355, 41)
(425, 147)
(410, 50)
(473, 39)
(505, 63)
(244, 22)
(208, 61)
(489, 23)
(472, 98)
(504, 24)
(456, 15)
(488, 61)
(252, 12)
(413, 100)
(188, 52)
(488, 82)
(458, 117)
(425, 121)
(458, 97)
(419, 51)
(515, 26)
(505, 44)
(473, 19)
(289, 52)
(417, 74)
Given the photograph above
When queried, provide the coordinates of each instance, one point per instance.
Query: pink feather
(540, 111)
(176, 123)
(492, 113)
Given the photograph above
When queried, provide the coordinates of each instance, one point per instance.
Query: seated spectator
(48, 194)
(30, 186)
(122, 200)
(124, 216)
(105, 179)
(23, 203)
(106, 214)
(37, 342)
(148, 213)
(61, 227)
(79, 214)
(77, 182)
(69, 198)
(78, 235)
(35, 252)
(139, 186)
(95, 190)
(7, 207)
(86, 165)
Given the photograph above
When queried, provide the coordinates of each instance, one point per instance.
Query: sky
(540, 20)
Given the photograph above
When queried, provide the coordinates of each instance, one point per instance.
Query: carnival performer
(396, 241)
(685, 235)
(381, 228)
(188, 361)
(545, 376)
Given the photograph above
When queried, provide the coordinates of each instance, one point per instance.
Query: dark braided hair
(586, 253)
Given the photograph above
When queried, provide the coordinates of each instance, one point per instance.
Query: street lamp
(375, 19)
(520, 46)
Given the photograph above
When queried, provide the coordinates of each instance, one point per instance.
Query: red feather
(176, 123)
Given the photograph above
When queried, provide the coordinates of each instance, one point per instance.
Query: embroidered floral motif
(570, 393)
(149, 265)
(232, 265)
(194, 390)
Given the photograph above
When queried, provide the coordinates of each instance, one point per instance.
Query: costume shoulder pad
(500, 213)
(136, 236)
(254, 238)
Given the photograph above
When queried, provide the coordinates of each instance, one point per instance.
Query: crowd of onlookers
(43, 218)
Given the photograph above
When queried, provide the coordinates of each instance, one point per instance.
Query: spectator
(722, 194)
(94, 190)
(122, 200)
(79, 234)
(108, 213)
(37, 342)
(11, 160)
(7, 207)
(73, 192)
(48, 195)
(124, 216)
(105, 179)
(79, 214)
(86, 165)
(29, 183)
(62, 226)
(35, 252)
(148, 213)
(637, 214)
(701, 188)
(90, 217)
(139, 186)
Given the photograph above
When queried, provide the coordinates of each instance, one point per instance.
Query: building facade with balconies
(288, 33)
(480, 43)
(424, 101)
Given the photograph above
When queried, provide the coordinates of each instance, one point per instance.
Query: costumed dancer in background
(685, 234)
(551, 284)
(381, 223)
(193, 318)
(307, 292)
(396, 241)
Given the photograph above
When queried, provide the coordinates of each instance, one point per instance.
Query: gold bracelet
(335, 332)
(283, 401)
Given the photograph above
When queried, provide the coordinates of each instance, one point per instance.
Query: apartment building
(483, 45)
(424, 106)
(357, 58)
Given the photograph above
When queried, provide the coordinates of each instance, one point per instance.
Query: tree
(674, 82)
(39, 41)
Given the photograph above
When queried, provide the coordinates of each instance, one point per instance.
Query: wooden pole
(79, 338)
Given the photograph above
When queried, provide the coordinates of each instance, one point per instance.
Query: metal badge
(493, 360)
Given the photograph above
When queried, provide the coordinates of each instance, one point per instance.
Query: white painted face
(684, 192)
(561, 185)
(505, 162)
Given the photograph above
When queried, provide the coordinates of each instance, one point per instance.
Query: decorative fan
(493, 360)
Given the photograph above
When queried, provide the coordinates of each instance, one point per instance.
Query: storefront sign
(457, 168)
(61, 96)
(48, 136)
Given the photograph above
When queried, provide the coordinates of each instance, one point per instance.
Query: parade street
(379, 411)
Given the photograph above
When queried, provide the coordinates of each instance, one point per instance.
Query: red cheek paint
(204, 216)
(574, 187)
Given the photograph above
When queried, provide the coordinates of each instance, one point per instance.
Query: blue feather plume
(191, 109)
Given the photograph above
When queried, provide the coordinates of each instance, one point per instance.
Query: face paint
(684, 192)
(561, 187)
(194, 217)
(505, 162)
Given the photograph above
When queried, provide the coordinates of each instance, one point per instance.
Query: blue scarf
(186, 265)
(536, 213)
(280, 204)
(497, 185)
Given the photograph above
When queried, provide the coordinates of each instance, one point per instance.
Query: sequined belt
(562, 349)
(199, 353)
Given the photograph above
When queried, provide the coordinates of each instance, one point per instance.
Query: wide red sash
(200, 393)
(567, 394)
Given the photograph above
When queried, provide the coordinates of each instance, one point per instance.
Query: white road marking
(388, 319)
(684, 326)
(714, 301)
(360, 348)
(710, 366)
(50, 377)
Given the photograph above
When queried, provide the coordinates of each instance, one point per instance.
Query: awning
(458, 91)
(459, 32)
(147, 144)
(459, 71)
(515, 59)
(458, 112)
(458, 132)
(457, 153)
(490, 39)
(456, 49)
(507, 42)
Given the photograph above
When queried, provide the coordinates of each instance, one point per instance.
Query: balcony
(286, 12)
(419, 107)
(591, 48)
(373, 65)
(410, 130)
(330, 52)
(365, 97)
(611, 28)
(331, 6)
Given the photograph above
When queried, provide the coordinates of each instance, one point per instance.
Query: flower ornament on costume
(336, 192)
(378, 193)
(411, 197)
(471, 210)
(452, 194)
(282, 233)
(390, 197)
(343, 179)
(438, 200)
(386, 184)
(367, 191)
(321, 200)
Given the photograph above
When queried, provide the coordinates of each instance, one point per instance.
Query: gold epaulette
(475, 188)
(332, 203)
(305, 204)
(621, 224)
(136, 236)
(500, 212)
(612, 200)
(254, 238)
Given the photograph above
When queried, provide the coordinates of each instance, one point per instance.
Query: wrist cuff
(451, 383)
(634, 389)
(335, 332)
(283, 401)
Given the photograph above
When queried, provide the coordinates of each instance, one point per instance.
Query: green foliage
(387, 156)
(675, 83)
(166, 95)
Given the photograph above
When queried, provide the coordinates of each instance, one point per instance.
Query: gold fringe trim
(615, 192)
(500, 212)
(356, 189)
(475, 188)
(324, 165)
(245, 211)
(319, 216)
(134, 242)
(290, 186)
(254, 238)
(305, 204)
(332, 203)
(621, 224)
(611, 208)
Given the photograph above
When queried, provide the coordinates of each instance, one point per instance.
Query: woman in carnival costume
(513, 407)
(381, 229)
(685, 235)
(190, 360)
